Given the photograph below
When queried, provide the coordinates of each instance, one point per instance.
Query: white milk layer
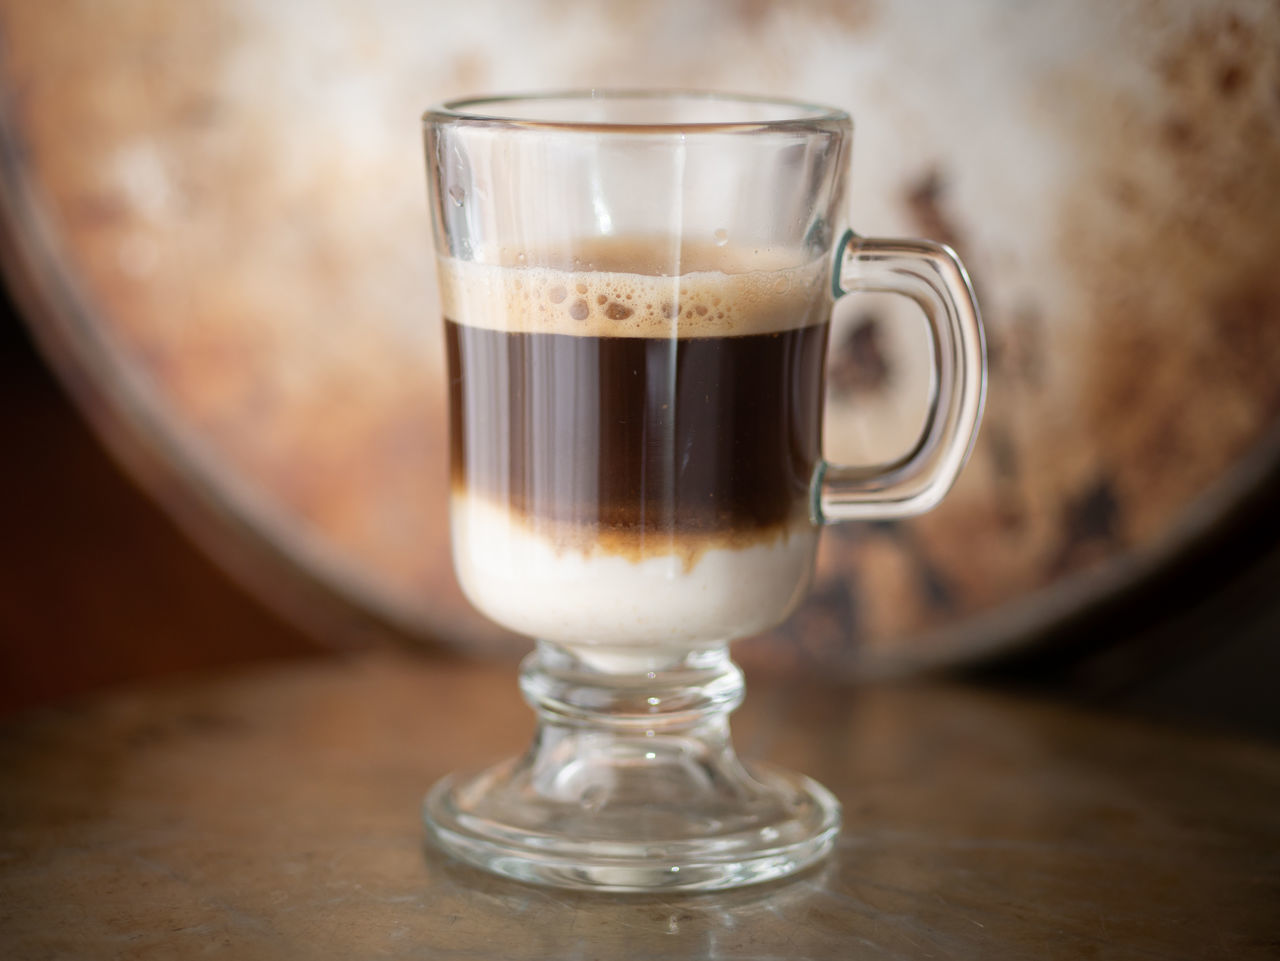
(526, 584)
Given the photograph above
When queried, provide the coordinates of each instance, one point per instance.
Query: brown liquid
(629, 437)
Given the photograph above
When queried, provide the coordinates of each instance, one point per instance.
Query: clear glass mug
(637, 290)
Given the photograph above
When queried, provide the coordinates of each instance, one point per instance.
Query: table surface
(274, 814)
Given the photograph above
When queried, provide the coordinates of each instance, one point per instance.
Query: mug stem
(631, 782)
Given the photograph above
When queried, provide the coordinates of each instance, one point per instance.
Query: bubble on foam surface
(733, 293)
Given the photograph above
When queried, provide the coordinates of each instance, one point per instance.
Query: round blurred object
(215, 222)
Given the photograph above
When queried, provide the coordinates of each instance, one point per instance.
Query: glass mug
(637, 290)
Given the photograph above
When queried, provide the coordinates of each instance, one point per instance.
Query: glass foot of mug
(790, 823)
(631, 784)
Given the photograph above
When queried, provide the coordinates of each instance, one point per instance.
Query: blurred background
(223, 428)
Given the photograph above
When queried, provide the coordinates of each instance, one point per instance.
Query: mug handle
(932, 276)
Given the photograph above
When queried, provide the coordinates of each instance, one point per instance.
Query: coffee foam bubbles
(724, 294)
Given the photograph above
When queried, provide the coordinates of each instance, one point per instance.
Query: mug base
(771, 824)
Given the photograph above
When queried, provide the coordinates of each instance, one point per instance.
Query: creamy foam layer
(589, 597)
(629, 288)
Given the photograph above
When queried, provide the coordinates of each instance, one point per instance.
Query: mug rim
(482, 110)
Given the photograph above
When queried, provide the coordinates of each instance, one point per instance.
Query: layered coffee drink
(634, 431)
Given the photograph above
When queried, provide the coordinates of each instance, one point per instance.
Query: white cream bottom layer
(519, 580)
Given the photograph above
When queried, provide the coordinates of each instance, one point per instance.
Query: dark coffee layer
(638, 435)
